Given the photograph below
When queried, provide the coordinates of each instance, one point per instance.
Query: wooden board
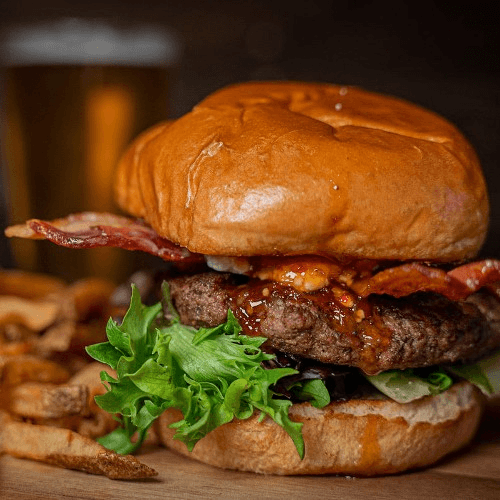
(472, 474)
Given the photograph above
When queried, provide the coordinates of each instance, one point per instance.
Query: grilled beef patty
(374, 334)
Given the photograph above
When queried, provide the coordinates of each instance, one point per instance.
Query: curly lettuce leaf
(212, 375)
(404, 386)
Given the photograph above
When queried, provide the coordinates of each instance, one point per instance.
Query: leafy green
(313, 391)
(404, 386)
(407, 385)
(484, 374)
(211, 375)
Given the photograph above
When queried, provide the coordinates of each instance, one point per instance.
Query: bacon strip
(456, 284)
(475, 275)
(93, 229)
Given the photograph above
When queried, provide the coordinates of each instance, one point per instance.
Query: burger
(323, 313)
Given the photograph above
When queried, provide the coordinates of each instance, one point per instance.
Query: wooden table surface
(472, 474)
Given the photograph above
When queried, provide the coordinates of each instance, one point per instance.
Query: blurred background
(440, 55)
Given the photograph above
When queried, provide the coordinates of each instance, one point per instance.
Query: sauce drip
(347, 314)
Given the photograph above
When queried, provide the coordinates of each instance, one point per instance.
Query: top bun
(303, 168)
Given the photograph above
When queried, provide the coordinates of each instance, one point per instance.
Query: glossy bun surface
(303, 168)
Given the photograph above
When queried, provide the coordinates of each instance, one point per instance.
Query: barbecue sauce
(346, 313)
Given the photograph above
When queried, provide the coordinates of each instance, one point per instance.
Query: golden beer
(67, 119)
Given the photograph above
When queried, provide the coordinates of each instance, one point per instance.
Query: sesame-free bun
(303, 168)
(358, 437)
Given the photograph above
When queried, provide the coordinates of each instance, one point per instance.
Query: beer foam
(77, 41)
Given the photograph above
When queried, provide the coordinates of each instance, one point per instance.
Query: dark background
(441, 55)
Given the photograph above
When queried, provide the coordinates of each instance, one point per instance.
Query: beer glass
(75, 92)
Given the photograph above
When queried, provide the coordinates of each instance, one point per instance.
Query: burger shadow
(480, 456)
(151, 480)
(489, 430)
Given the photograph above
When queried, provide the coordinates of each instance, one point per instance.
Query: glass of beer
(75, 93)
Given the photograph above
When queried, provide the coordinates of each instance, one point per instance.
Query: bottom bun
(358, 437)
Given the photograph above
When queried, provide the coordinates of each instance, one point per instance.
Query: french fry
(47, 380)
(68, 336)
(28, 285)
(87, 334)
(57, 338)
(16, 370)
(65, 448)
(16, 339)
(81, 322)
(35, 315)
(42, 401)
(15, 332)
(91, 377)
(90, 297)
(98, 422)
(15, 348)
(5, 419)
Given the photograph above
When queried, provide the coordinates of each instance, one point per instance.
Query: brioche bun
(358, 437)
(302, 168)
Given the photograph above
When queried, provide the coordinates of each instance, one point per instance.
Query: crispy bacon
(93, 229)
(456, 284)
(475, 275)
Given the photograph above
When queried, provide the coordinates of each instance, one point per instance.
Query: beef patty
(375, 334)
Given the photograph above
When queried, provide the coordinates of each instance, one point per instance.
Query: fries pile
(47, 382)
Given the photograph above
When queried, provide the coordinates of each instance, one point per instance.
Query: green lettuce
(484, 374)
(313, 390)
(212, 375)
(404, 386)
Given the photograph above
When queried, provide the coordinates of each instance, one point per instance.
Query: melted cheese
(304, 273)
